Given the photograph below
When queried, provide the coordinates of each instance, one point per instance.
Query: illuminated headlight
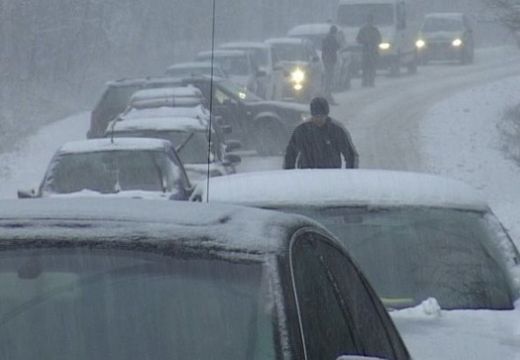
(420, 43)
(242, 95)
(457, 43)
(298, 76)
(297, 86)
(384, 46)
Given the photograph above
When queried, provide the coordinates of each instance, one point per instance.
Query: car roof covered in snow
(344, 188)
(244, 45)
(166, 111)
(185, 91)
(310, 29)
(451, 16)
(161, 124)
(117, 144)
(222, 53)
(211, 226)
(286, 40)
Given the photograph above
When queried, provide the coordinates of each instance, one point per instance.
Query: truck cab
(397, 48)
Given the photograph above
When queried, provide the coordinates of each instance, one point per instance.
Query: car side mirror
(226, 129)
(232, 159)
(26, 194)
(232, 145)
(358, 357)
(261, 73)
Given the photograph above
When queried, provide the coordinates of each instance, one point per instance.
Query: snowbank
(460, 139)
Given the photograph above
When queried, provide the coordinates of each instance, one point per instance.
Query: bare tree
(508, 12)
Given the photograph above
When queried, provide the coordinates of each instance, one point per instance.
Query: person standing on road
(369, 37)
(329, 57)
(320, 142)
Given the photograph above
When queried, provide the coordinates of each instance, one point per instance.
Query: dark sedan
(134, 280)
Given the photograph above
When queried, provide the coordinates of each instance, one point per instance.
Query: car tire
(271, 137)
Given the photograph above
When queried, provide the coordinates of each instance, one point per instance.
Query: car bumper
(440, 51)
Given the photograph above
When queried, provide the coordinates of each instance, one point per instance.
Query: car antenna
(211, 93)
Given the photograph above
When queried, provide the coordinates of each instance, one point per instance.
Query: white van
(398, 46)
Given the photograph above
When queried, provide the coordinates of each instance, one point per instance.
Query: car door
(339, 313)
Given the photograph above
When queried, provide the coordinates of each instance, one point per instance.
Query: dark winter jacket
(320, 147)
(370, 38)
(329, 49)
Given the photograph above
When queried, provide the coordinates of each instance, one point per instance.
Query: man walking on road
(320, 142)
(369, 38)
(329, 57)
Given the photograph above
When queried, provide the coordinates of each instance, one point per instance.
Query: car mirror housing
(26, 194)
(232, 159)
(232, 145)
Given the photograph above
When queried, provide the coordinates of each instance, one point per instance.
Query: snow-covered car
(301, 67)
(134, 280)
(187, 96)
(201, 153)
(122, 167)
(446, 36)
(316, 33)
(431, 247)
(115, 98)
(269, 77)
(237, 64)
(195, 68)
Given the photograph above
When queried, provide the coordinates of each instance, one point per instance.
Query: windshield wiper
(183, 144)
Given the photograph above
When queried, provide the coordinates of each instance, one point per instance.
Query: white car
(430, 246)
(200, 156)
(122, 167)
(237, 64)
(268, 75)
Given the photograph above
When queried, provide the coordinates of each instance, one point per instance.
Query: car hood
(432, 333)
(441, 35)
(285, 105)
(129, 194)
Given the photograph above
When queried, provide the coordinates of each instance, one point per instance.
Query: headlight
(298, 76)
(297, 86)
(384, 46)
(457, 42)
(420, 43)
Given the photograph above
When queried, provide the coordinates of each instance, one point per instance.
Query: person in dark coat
(320, 142)
(369, 38)
(329, 56)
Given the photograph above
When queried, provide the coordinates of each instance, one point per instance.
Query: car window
(325, 321)
(87, 304)
(376, 332)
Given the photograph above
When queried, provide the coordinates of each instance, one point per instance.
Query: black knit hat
(319, 106)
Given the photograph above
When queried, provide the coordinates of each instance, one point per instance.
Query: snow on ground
(24, 167)
(460, 138)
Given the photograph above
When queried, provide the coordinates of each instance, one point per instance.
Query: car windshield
(194, 143)
(289, 52)
(442, 24)
(231, 65)
(412, 254)
(315, 39)
(355, 15)
(111, 172)
(122, 305)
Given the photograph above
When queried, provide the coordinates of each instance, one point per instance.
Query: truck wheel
(271, 138)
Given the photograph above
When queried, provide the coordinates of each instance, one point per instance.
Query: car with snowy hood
(202, 152)
(195, 68)
(301, 66)
(269, 77)
(122, 167)
(433, 250)
(134, 280)
(446, 36)
(239, 66)
(316, 33)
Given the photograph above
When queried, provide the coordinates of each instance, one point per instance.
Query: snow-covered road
(442, 120)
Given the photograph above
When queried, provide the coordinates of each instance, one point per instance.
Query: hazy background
(56, 55)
